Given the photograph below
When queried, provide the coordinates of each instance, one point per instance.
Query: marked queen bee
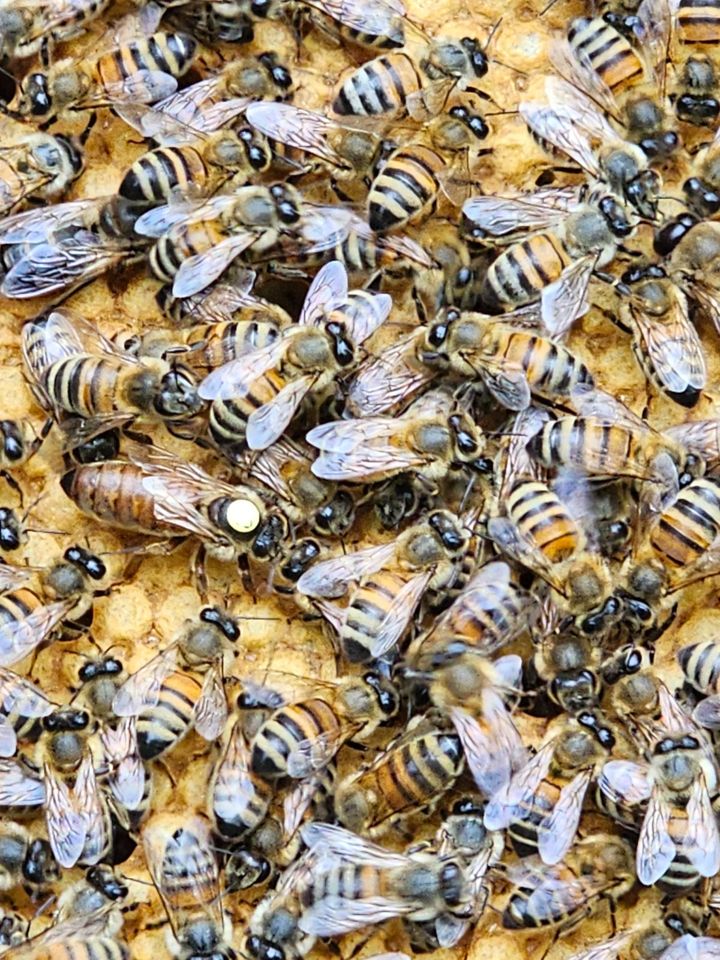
(256, 397)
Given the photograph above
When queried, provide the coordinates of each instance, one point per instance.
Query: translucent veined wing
(565, 300)
(141, 691)
(397, 619)
(562, 823)
(211, 710)
(267, 423)
(329, 287)
(501, 216)
(200, 270)
(234, 379)
(507, 802)
(66, 826)
(656, 848)
(330, 578)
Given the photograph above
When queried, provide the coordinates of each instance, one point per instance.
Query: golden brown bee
(43, 166)
(541, 805)
(180, 855)
(256, 397)
(546, 897)
(181, 688)
(571, 234)
(77, 371)
(30, 615)
(409, 776)
(385, 584)
(143, 70)
(300, 738)
(161, 496)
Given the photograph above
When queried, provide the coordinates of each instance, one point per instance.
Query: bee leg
(166, 770)
(13, 484)
(245, 575)
(339, 192)
(92, 120)
(200, 574)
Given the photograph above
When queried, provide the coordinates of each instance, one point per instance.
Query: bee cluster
(361, 465)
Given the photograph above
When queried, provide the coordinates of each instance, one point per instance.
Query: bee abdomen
(165, 724)
(543, 518)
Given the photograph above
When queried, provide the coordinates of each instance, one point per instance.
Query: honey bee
(380, 23)
(545, 897)
(664, 340)
(197, 243)
(699, 662)
(701, 189)
(607, 440)
(180, 855)
(80, 936)
(390, 582)
(43, 166)
(181, 688)
(22, 707)
(62, 247)
(568, 665)
(691, 265)
(364, 884)
(672, 791)
(348, 153)
(430, 439)
(284, 468)
(30, 616)
(570, 122)
(161, 496)
(78, 818)
(210, 104)
(571, 235)
(541, 805)
(27, 27)
(18, 442)
(393, 85)
(407, 777)
(695, 30)
(255, 397)
(490, 612)
(626, 82)
(239, 800)
(93, 895)
(301, 738)
(142, 70)
(99, 680)
(634, 687)
(649, 942)
(24, 860)
(76, 370)
(211, 21)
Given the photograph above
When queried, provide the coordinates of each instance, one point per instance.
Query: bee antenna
(547, 7)
(501, 63)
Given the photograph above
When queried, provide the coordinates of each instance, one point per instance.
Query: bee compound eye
(243, 516)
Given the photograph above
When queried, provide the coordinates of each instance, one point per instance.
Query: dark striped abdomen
(700, 662)
(524, 828)
(171, 250)
(164, 725)
(687, 527)
(596, 447)
(285, 729)
(379, 86)
(609, 53)
(156, 174)
(552, 905)
(697, 22)
(17, 605)
(542, 518)
(552, 371)
(681, 877)
(405, 188)
(228, 418)
(85, 385)
(228, 340)
(170, 53)
(523, 270)
(369, 606)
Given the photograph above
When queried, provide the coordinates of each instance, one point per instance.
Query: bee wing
(297, 802)
(701, 843)
(127, 777)
(689, 947)
(267, 466)
(178, 511)
(62, 265)
(90, 804)
(656, 848)
(142, 690)
(592, 402)
(493, 747)
(66, 826)
(309, 756)
(625, 780)
(500, 216)
(397, 619)
(562, 823)
(386, 380)
(565, 300)
(234, 379)
(558, 125)
(507, 802)
(609, 950)
(235, 786)
(330, 578)
(673, 347)
(13, 576)
(674, 719)
(333, 916)
(377, 17)
(184, 860)
(356, 449)
(35, 226)
(200, 270)
(268, 423)
(583, 109)
(654, 31)
(510, 539)
(163, 218)
(211, 710)
(20, 637)
(507, 383)
(707, 713)
(342, 845)
(329, 287)
(67, 327)
(21, 695)
(303, 129)
(8, 738)
(142, 86)
(699, 436)
(576, 67)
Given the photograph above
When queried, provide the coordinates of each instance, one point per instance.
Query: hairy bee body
(688, 526)
(607, 51)
(289, 725)
(524, 269)
(380, 86)
(406, 187)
